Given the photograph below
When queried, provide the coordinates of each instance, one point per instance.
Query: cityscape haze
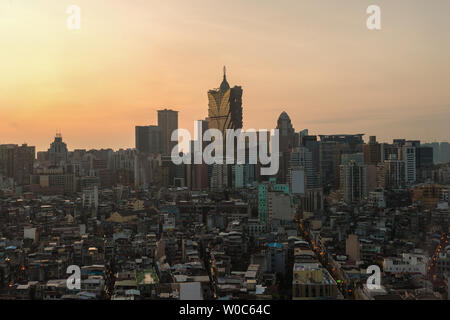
(315, 60)
(204, 152)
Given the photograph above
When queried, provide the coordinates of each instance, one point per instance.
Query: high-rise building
(409, 156)
(372, 151)
(219, 176)
(424, 163)
(148, 139)
(200, 171)
(58, 152)
(326, 156)
(444, 152)
(353, 181)
(224, 112)
(225, 107)
(147, 170)
(17, 162)
(441, 151)
(24, 156)
(311, 143)
(279, 208)
(263, 190)
(7, 160)
(288, 138)
(302, 157)
(391, 173)
(388, 151)
(297, 179)
(353, 248)
(168, 123)
(332, 147)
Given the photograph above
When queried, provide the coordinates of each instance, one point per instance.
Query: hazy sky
(314, 59)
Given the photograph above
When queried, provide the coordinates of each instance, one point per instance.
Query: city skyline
(164, 109)
(196, 154)
(316, 61)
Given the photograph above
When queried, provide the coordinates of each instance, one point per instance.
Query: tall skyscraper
(311, 143)
(288, 139)
(332, 147)
(58, 151)
(24, 156)
(224, 112)
(302, 157)
(7, 160)
(353, 181)
(391, 173)
(287, 133)
(409, 156)
(225, 107)
(148, 139)
(200, 171)
(372, 151)
(17, 162)
(168, 122)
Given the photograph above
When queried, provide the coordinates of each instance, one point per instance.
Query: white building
(376, 199)
(353, 181)
(408, 263)
(409, 156)
(279, 206)
(90, 197)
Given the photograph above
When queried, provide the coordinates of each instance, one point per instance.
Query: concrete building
(58, 152)
(353, 181)
(409, 263)
(263, 190)
(167, 122)
(17, 162)
(372, 151)
(391, 173)
(311, 282)
(279, 207)
(353, 248)
(148, 139)
(409, 156)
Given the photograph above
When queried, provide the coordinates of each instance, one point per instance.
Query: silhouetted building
(17, 162)
(58, 152)
(372, 151)
(332, 147)
(148, 139)
(225, 107)
(167, 122)
(288, 138)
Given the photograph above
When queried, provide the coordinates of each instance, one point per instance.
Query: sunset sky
(314, 59)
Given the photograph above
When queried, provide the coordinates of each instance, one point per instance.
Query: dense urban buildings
(140, 227)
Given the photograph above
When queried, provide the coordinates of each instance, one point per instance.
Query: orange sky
(316, 60)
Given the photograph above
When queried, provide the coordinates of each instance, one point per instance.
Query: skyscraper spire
(224, 86)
